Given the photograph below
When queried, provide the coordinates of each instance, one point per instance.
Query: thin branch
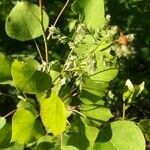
(37, 47)
(10, 113)
(44, 35)
(61, 13)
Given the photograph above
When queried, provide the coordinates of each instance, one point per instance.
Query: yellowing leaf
(53, 114)
(23, 123)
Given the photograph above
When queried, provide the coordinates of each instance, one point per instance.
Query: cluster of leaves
(61, 105)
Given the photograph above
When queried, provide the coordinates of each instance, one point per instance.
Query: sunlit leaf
(120, 135)
(2, 122)
(91, 12)
(23, 22)
(97, 112)
(68, 147)
(53, 114)
(92, 92)
(23, 122)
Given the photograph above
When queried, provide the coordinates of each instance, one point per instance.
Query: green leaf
(91, 136)
(92, 92)
(77, 135)
(53, 114)
(23, 122)
(44, 143)
(145, 126)
(120, 135)
(14, 146)
(23, 22)
(96, 112)
(2, 122)
(5, 68)
(106, 69)
(27, 78)
(5, 135)
(91, 12)
(68, 147)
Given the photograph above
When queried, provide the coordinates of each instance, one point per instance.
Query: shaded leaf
(145, 126)
(44, 143)
(5, 68)
(27, 78)
(14, 146)
(5, 135)
(76, 135)
(23, 22)
(53, 114)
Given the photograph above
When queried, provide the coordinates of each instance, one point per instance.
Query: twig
(44, 35)
(58, 17)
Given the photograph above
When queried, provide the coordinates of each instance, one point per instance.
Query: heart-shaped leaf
(120, 135)
(23, 22)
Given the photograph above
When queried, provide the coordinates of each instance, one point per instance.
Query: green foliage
(62, 99)
(2, 122)
(23, 22)
(5, 71)
(23, 122)
(53, 114)
(120, 135)
(28, 78)
(86, 8)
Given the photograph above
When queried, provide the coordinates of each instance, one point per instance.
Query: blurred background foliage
(131, 16)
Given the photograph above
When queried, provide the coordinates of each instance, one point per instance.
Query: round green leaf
(23, 122)
(23, 22)
(2, 122)
(68, 147)
(120, 135)
(27, 78)
(5, 68)
(53, 114)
